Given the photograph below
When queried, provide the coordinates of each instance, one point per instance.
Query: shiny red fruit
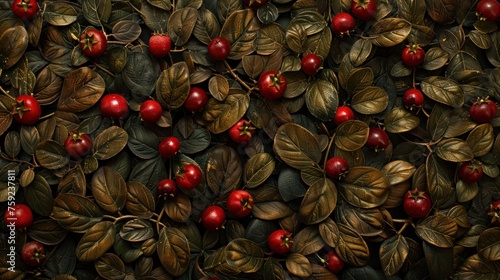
(151, 111)
(239, 203)
(470, 171)
(343, 114)
(412, 55)
(364, 9)
(169, 147)
(159, 45)
(196, 100)
(483, 110)
(280, 241)
(413, 99)
(26, 110)
(78, 144)
(377, 139)
(166, 187)
(213, 217)
(488, 10)
(19, 215)
(272, 85)
(219, 48)
(255, 4)
(189, 177)
(24, 9)
(310, 64)
(494, 213)
(113, 106)
(417, 204)
(336, 168)
(333, 262)
(33, 253)
(93, 42)
(242, 132)
(343, 23)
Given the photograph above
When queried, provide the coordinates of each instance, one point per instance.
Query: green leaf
(359, 79)
(438, 230)
(59, 14)
(109, 189)
(39, 196)
(51, 155)
(181, 24)
(364, 187)
(137, 230)
(109, 142)
(75, 212)
(454, 150)
(290, 184)
(96, 241)
(222, 115)
(62, 259)
(258, 169)
(173, 251)
(142, 142)
(139, 74)
(97, 12)
(322, 99)
(393, 253)
(481, 139)
(207, 26)
(434, 256)
(443, 90)
(273, 270)
(47, 231)
(318, 202)
(126, 31)
(110, 266)
(149, 172)
(297, 146)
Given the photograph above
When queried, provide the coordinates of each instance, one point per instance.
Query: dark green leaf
(97, 12)
(137, 230)
(488, 245)
(39, 196)
(139, 74)
(443, 90)
(59, 14)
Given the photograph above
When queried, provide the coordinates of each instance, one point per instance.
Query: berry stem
(328, 150)
(228, 67)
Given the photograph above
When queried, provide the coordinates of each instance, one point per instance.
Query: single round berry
(470, 171)
(483, 110)
(364, 9)
(494, 213)
(113, 106)
(151, 111)
(93, 42)
(33, 253)
(488, 10)
(413, 98)
(310, 64)
(343, 114)
(159, 45)
(213, 217)
(412, 55)
(334, 263)
(78, 144)
(166, 187)
(19, 215)
(280, 241)
(196, 100)
(242, 132)
(169, 147)
(343, 23)
(219, 48)
(240, 203)
(189, 177)
(24, 9)
(26, 110)
(417, 204)
(377, 139)
(272, 85)
(336, 168)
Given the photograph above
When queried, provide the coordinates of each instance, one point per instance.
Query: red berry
(377, 139)
(470, 171)
(151, 111)
(483, 110)
(159, 45)
(78, 144)
(169, 146)
(33, 253)
(93, 42)
(364, 9)
(219, 48)
(113, 106)
(280, 241)
(166, 187)
(413, 99)
(336, 168)
(196, 100)
(417, 203)
(488, 10)
(310, 64)
(412, 55)
(25, 9)
(343, 114)
(189, 178)
(343, 23)
(494, 213)
(334, 263)
(242, 132)
(26, 110)
(19, 215)
(272, 85)
(239, 203)
(213, 217)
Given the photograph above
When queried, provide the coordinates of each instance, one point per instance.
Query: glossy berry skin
(169, 147)
(333, 262)
(113, 106)
(219, 48)
(412, 55)
(150, 111)
(343, 114)
(470, 171)
(494, 213)
(336, 168)
(280, 241)
(272, 85)
(24, 9)
(239, 203)
(255, 4)
(483, 110)
(20, 214)
(93, 42)
(159, 45)
(242, 132)
(78, 144)
(213, 217)
(364, 9)
(189, 178)
(26, 110)
(377, 139)
(166, 188)
(310, 64)
(33, 253)
(488, 10)
(196, 100)
(343, 23)
(413, 99)
(417, 204)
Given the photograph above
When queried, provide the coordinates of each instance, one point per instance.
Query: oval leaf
(364, 187)
(96, 241)
(109, 142)
(173, 251)
(245, 255)
(351, 135)
(318, 202)
(297, 146)
(257, 169)
(438, 230)
(109, 189)
(454, 150)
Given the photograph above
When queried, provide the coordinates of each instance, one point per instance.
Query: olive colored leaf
(411, 10)
(398, 171)
(97, 12)
(481, 139)
(270, 39)
(435, 58)
(475, 267)
(172, 87)
(360, 51)
(14, 42)
(140, 201)
(370, 100)
(434, 257)
(178, 208)
(258, 169)
(59, 14)
(364, 187)
(39, 196)
(181, 24)
(452, 39)
(75, 212)
(488, 245)
(271, 210)
(329, 232)
(81, 89)
(30, 137)
(466, 191)
(359, 79)
(318, 202)
(438, 178)
(126, 31)
(240, 29)
(273, 270)
(296, 37)
(438, 121)
(12, 144)
(137, 230)
(5, 121)
(389, 32)
(47, 231)
(307, 241)
(298, 83)
(254, 65)
(222, 115)
(438, 230)
(109, 142)
(399, 120)
(320, 43)
(351, 247)
(173, 251)
(96, 241)
(110, 266)
(224, 170)
(480, 39)
(267, 14)
(139, 75)
(218, 87)
(62, 259)
(109, 189)
(442, 12)
(322, 99)
(393, 253)
(454, 150)
(443, 90)
(297, 146)
(367, 222)
(298, 265)
(311, 20)
(207, 26)
(245, 255)
(351, 135)
(459, 214)
(51, 154)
